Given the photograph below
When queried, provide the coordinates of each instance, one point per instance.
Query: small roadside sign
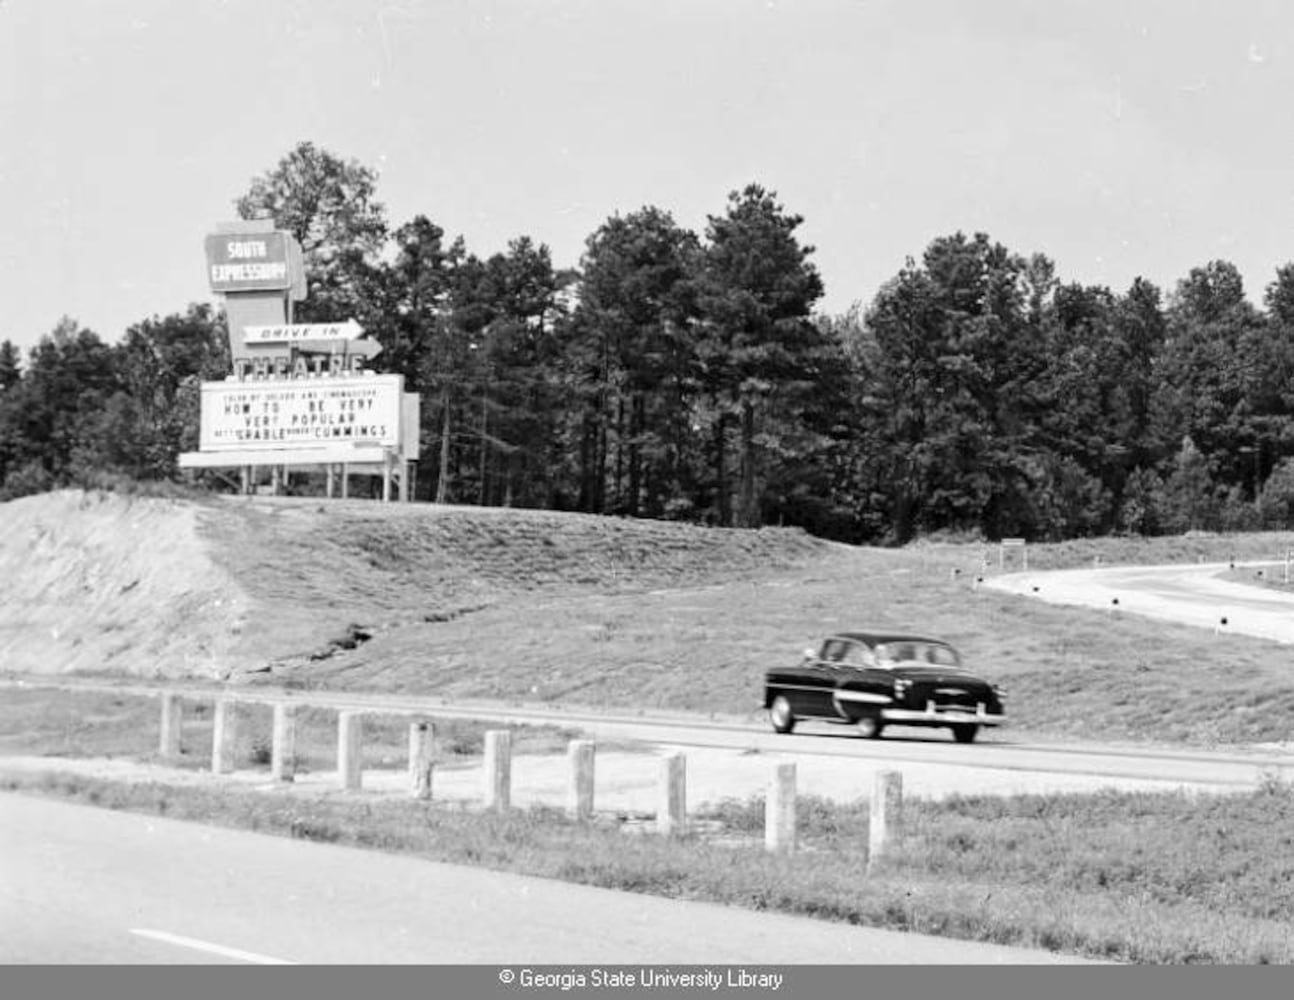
(1012, 543)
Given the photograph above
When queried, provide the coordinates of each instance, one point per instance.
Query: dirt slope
(103, 583)
(333, 591)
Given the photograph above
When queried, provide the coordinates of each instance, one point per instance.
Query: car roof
(873, 638)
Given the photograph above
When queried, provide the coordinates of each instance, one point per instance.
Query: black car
(873, 679)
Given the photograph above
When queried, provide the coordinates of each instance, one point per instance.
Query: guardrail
(886, 807)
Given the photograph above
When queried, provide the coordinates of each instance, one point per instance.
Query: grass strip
(1132, 877)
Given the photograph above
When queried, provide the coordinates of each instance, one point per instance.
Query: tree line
(687, 375)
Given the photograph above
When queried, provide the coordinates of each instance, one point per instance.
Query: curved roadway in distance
(1188, 594)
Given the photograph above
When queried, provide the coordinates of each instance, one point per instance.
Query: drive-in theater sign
(299, 394)
(301, 413)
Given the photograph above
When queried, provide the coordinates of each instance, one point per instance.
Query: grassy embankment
(581, 610)
(533, 606)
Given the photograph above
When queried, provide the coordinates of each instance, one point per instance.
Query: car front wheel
(780, 715)
(869, 726)
(965, 734)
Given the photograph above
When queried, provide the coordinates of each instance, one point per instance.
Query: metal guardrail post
(671, 815)
(350, 750)
(779, 810)
(886, 816)
(421, 758)
(283, 749)
(579, 803)
(224, 736)
(172, 721)
(498, 770)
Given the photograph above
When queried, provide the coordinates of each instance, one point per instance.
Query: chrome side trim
(871, 699)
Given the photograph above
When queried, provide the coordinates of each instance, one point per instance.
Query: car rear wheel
(965, 734)
(780, 715)
(869, 726)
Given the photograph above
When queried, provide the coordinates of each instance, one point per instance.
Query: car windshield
(917, 652)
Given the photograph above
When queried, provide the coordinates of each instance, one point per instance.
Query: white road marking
(215, 949)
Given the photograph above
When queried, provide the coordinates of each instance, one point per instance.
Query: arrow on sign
(292, 333)
(370, 349)
(352, 348)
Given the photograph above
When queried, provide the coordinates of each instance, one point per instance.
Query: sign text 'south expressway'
(248, 262)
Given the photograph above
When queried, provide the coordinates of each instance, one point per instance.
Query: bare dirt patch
(100, 582)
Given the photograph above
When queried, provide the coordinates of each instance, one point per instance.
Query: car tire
(965, 733)
(869, 726)
(780, 715)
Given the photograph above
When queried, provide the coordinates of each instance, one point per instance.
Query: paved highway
(85, 885)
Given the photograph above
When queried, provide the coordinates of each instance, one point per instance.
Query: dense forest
(690, 376)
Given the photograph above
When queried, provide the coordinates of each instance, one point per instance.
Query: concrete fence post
(886, 811)
(350, 750)
(779, 810)
(498, 770)
(579, 803)
(671, 814)
(421, 758)
(283, 748)
(224, 735)
(172, 721)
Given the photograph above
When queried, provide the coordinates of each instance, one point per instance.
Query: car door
(862, 686)
(823, 677)
(818, 680)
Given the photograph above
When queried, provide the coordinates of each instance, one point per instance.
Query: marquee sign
(294, 414)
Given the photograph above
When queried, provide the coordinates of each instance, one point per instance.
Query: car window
(859, 655)
(833, 650)
(944, 656)
(917, 652)
(902, 652)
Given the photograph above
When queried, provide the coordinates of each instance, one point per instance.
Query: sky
(1122, 138)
